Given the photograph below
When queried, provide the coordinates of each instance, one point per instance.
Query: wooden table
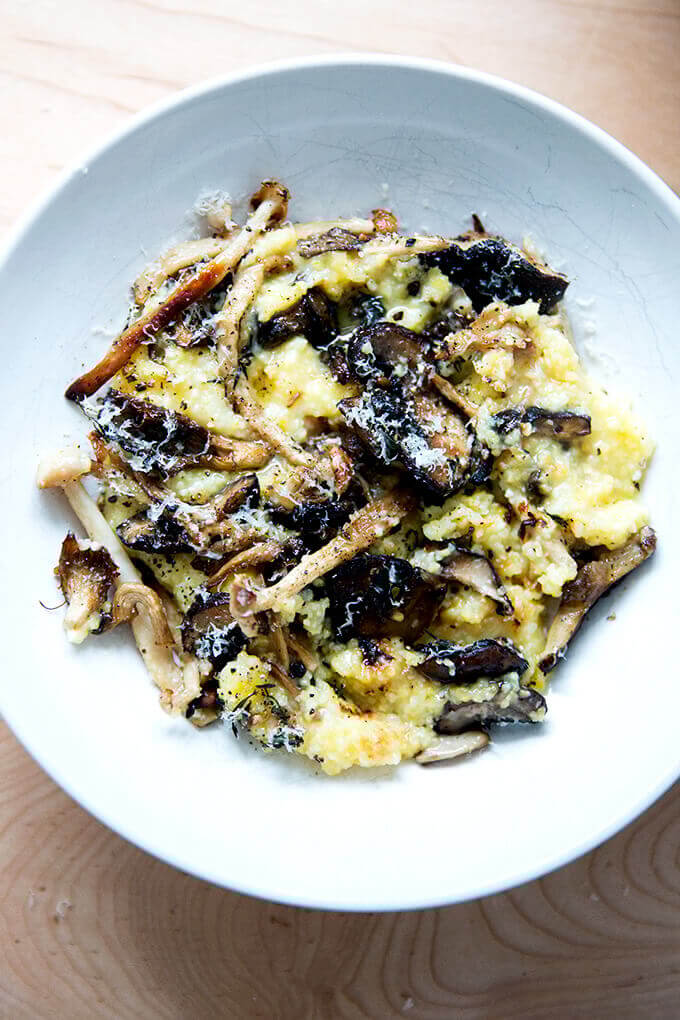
(92, 927)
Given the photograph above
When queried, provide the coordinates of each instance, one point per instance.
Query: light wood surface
(90, 926)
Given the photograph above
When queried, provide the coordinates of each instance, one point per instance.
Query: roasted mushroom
(457, 745)
(150, 532)
(86, 575)
(365, 526)
(174, 673)
(382, 596)
(560, 424)
(491, 269)
(317, 522)
(463, 664)
(591, 582)
(335, 239)
(270, 203)
(210, 631)
(418, 434)
(508, 705)
(153, 439)
(383, 349)
(313, 317)
(477, 572)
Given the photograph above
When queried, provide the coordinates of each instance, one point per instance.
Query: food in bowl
(355, 491)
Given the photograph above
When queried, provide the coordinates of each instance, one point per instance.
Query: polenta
(356, 490)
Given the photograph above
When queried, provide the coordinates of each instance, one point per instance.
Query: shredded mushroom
(367, 525)
(188, 253)
(175, 674)
(268, 430)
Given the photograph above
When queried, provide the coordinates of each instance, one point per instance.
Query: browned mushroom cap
(477, 572)
(335, 239)
(153, 439)
(559, 424)
(272, 191)
(523, 705)
(149, 532)
(591, 582)
(313, 316)
(463, 664)
(491, 269)
(370, 523)
(210, 631)
(418, 434)
(86, 575)
(382, 596)
(383, 348)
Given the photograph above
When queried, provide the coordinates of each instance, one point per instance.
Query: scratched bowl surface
(435, 143)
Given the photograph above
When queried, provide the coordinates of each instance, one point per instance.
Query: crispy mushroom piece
(372, 522)
(523, 704)
(457, 745)
(149, 532)
(477, 572)
(381, 349)
(255, 556)
(64, 469)
(86, 576)
(313, 317)
(270, 203)
(491, 269)
(156, 440)
(175, 674)
(335, 239)
(418, 434)
(382, 596)
(463, 664)
(559, 424)
(590, 584)
(317, 521)
(210, 631)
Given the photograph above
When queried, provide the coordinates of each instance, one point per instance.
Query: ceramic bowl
(435, 143)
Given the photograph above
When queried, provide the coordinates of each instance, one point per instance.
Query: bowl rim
(32, 214)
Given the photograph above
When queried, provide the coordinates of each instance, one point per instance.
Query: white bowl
(435, 143)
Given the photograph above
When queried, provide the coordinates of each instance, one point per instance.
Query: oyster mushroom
(382, 596)
(86, 575)
(477, 572)
(364, 527)
(65, 469)
(463, 664)
(522, 704)
(270, 203)
(558, 424)
(210, 632)
(383, 349)
(175, 674)
(335, 239)
(316, 522)
(313, 317)
(591, 582)
(156, 440)
(490, 269)
(416, 433)
(457, 745)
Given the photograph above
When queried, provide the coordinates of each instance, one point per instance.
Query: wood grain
(92, 927)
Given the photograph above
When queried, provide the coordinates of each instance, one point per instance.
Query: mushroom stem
(64, 470)
(247, 282)
(367, 525)
(175, 674)
(268, 430)
(205, 279)
(172, 261)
